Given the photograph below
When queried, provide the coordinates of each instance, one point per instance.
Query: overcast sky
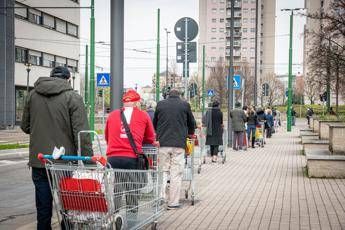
(140, 34)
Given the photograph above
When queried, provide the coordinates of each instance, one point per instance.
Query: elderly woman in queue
(213, 121)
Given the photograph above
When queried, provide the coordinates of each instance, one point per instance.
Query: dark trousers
(44, 199)
(214, 150)
(237, 142)
(125, 182)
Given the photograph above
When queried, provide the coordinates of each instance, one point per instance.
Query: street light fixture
(28, 69)
(289, 107)
(167, 59)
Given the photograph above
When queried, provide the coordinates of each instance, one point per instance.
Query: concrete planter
(316, 125)
(324, 128)
(337, 139)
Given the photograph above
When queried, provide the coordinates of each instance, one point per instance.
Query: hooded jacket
(53, 115)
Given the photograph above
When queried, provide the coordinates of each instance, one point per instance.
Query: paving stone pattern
(262, 188)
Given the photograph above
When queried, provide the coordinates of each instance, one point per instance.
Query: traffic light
(100, 93)
(193, 90)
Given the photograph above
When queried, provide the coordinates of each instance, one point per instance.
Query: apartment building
(43, 39)
(215, 18)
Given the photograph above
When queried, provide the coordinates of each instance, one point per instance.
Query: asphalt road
(17, 207)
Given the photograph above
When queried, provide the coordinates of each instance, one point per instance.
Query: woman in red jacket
(119, 151)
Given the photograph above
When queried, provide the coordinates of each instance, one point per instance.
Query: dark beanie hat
(60, 72)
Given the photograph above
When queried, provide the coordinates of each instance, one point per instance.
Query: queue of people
(54, 114)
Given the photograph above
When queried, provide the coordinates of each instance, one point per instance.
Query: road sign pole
(92, 67)
(289, 118)
(116, 53)
(203, 80)
(86, 79)
(103, 108)
(231, 74)
(158, 57)
(186, 59)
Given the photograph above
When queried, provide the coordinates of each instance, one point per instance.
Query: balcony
(235, 53)
(237, 5)
(237, 34)
(237, 24)
(237, 44)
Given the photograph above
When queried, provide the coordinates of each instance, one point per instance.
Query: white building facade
(45, 38)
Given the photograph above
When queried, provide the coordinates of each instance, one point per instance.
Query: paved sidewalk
(263, 188)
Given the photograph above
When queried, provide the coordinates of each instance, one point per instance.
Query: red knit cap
(131, 96)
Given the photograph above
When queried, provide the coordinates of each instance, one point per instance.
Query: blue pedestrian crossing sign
(103, 79)
(237, 83)
(210, 92)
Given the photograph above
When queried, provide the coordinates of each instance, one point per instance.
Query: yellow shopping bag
(258, 134)
(189, 146)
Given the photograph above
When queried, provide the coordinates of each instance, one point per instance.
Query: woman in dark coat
(214, 129)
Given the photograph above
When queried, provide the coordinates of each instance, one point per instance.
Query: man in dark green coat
(238, 119)
(53, 116)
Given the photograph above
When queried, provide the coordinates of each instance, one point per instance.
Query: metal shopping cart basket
(189, 172)
(223, 148)
(199, 149)
(260, 134)
(95, 196)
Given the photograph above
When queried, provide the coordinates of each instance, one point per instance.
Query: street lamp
(167, 60)
(28, 69)
(289, 118)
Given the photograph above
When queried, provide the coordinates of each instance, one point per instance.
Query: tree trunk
(337, 89)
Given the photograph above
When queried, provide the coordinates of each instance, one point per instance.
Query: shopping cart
(95, 196)
(223, 148)
(260, 134)
(199, 149)
(188, 174)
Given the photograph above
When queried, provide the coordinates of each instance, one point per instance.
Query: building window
(60, 61)
(213, 38)
(252, 30)
(245, 1)
(222, 1)
(221, 30)
(253, 1)
(214, 30)
(34, 57)
(221, 39)
(244, 30)
(21, 54)
(252, 10)
(49, 21)
(72, 65)
(221, 10)
(214, 20)
(213, 48)
(48, 60)
(245, 10)
(244, 50)
(21, 12)
(221, 20)
(60, 25)
(252, 20)
(221, 48)
(214, 10)
(72, 29)
(213, 59)
(252, 40)
(35, 16)
(245, 20)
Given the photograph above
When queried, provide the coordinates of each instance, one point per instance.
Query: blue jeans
(251, 129)
(44, 199)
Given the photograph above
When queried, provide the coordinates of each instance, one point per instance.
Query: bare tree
(299, 88)
(217, 81)
(311, 88)
(275, 90)
(248, 84)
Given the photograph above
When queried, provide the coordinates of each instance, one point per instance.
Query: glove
(57, 153)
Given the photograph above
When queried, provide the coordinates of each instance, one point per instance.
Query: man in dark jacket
(173, 121)
(238, 119)
(53, 116)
